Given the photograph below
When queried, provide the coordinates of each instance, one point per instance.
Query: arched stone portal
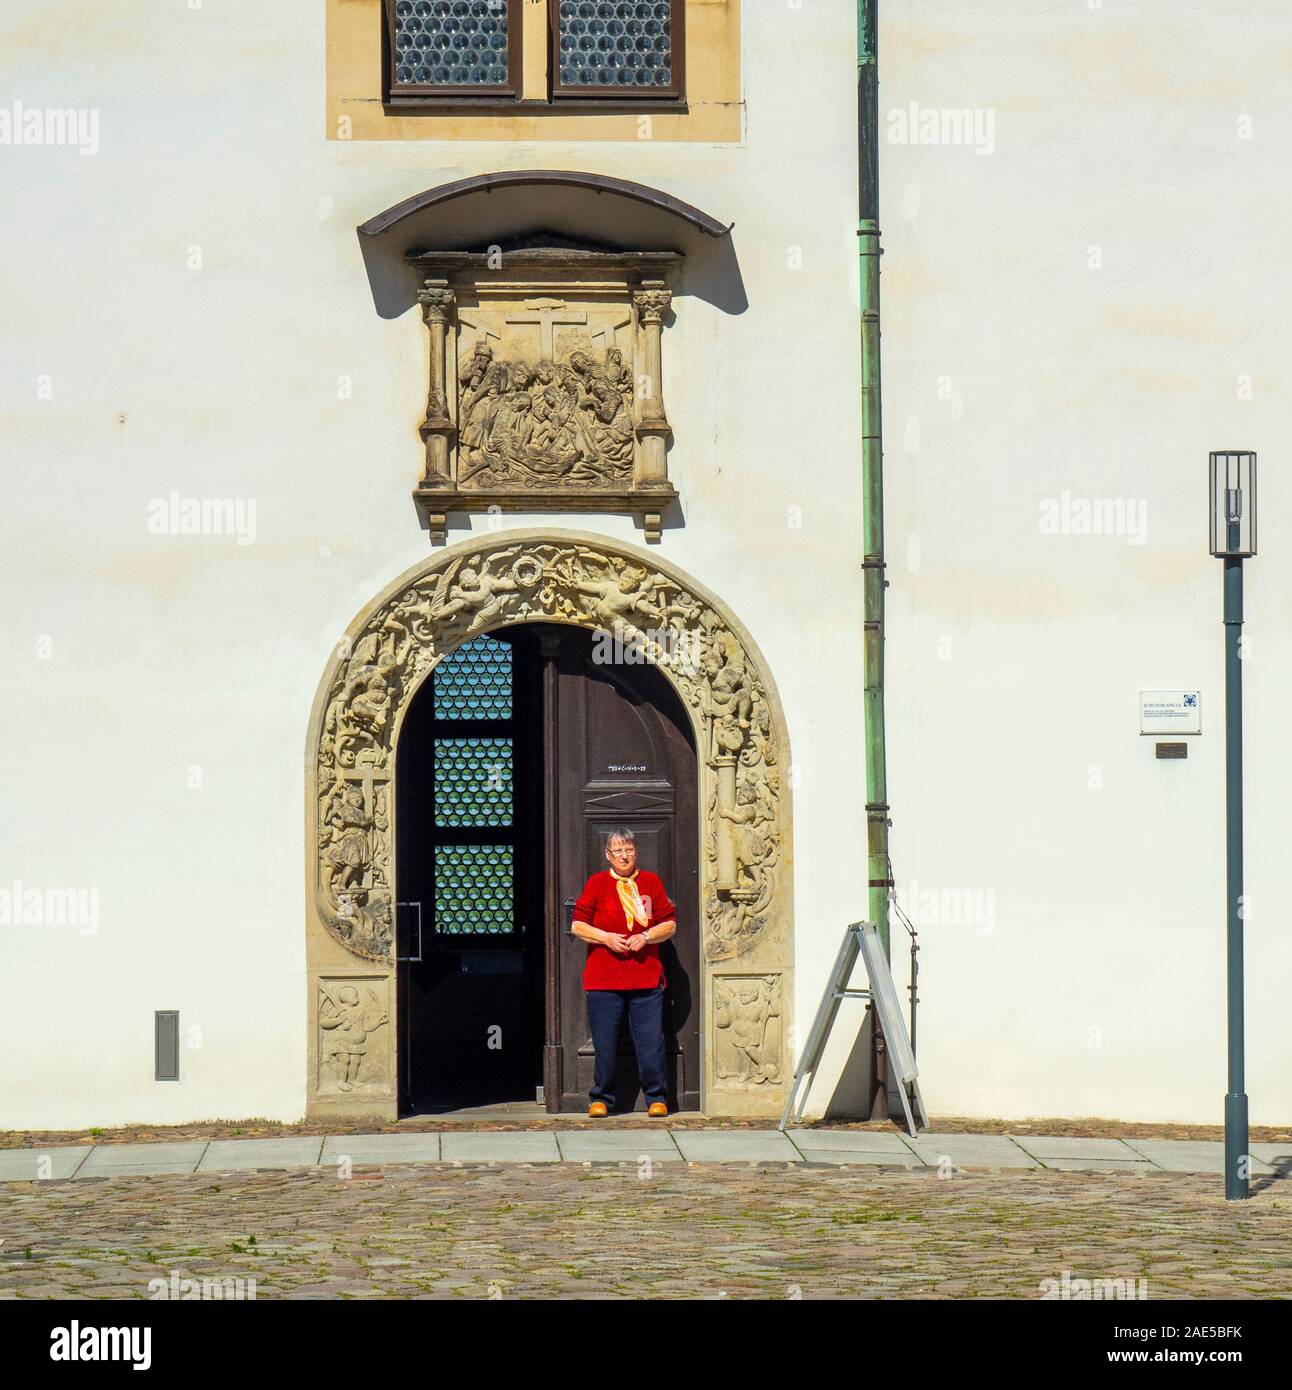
(654, 614)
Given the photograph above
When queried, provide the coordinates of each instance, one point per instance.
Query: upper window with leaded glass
(501, 51)
(610, 48)
(454, 47)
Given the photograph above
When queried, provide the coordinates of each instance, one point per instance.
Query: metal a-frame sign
(861, 938)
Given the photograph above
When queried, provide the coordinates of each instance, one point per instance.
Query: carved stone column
(725, 769)
(652, 301)
(437, 301)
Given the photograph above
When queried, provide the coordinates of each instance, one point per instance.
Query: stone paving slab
(1048, 1146)
(842, 1156)
(516, 1146)
(874, 1148)
(853, 1140)
(735, 1146)
(1102, 1165)
(381, 1148)
(972, 1151)
(226, 1155)
(109, 1160)
(624, 1146)
(1190, 1156)
(18, 1164)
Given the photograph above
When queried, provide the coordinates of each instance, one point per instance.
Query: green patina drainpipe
(872, 463)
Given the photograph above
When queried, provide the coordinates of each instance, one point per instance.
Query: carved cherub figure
(625, 597)
(477, 590)
(729, 701)
(350, 1022)
(742, 1014)
(753, 822)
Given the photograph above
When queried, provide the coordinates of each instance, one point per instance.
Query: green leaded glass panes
(451, 43)
(472, 781)
(473, 889)
(616, 43)
(474, 682)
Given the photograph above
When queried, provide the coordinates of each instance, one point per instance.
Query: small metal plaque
(1170, 712)
(1172, 750)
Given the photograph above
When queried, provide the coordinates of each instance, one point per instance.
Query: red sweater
(599, 906)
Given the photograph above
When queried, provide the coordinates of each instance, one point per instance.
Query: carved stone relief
(502, 582)
(747, 1032)
(352, 1054)
(545, 385)
(555, 423)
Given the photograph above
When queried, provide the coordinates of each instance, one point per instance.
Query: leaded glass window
(472, 781)
(474, 890)
(614, 50)
(474, 682)
(610, 47)
(472, 845)
(454, 46)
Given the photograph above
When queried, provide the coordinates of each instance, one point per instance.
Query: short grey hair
(624, 834)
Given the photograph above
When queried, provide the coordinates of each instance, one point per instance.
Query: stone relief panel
(473, 591)
(748, 1036)
(353, 1053)
(545, 381)
(568, 420)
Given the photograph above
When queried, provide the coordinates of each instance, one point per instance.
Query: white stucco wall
(1016, 763)
(173, 652)
(169, 653)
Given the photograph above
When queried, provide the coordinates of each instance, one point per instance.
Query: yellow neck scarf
(634, 908)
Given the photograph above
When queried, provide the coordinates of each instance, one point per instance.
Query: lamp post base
(1237, 1161)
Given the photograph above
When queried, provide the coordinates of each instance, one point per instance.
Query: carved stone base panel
(521, 576)
(352, 1052)
(751, 1065)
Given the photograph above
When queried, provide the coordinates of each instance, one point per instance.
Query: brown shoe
(657, 1109)
(597, 1110)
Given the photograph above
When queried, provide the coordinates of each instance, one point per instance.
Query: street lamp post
(1233, 539)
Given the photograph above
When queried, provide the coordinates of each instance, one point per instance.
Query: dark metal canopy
(545, 178)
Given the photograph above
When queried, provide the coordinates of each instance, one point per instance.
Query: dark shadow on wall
(850, 1099)
(583, 216)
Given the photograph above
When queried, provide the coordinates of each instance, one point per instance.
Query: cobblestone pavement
(615, 1232)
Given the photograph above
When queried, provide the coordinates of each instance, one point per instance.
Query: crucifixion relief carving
(546, 383)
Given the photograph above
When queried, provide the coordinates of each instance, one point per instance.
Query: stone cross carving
(547, 313)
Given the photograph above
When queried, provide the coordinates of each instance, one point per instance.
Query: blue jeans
(645, 1010)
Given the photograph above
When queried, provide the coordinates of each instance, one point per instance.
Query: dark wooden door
(471, 932)
(621, 744)
(513, 763)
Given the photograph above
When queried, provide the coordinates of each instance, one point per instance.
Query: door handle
(569, 919)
